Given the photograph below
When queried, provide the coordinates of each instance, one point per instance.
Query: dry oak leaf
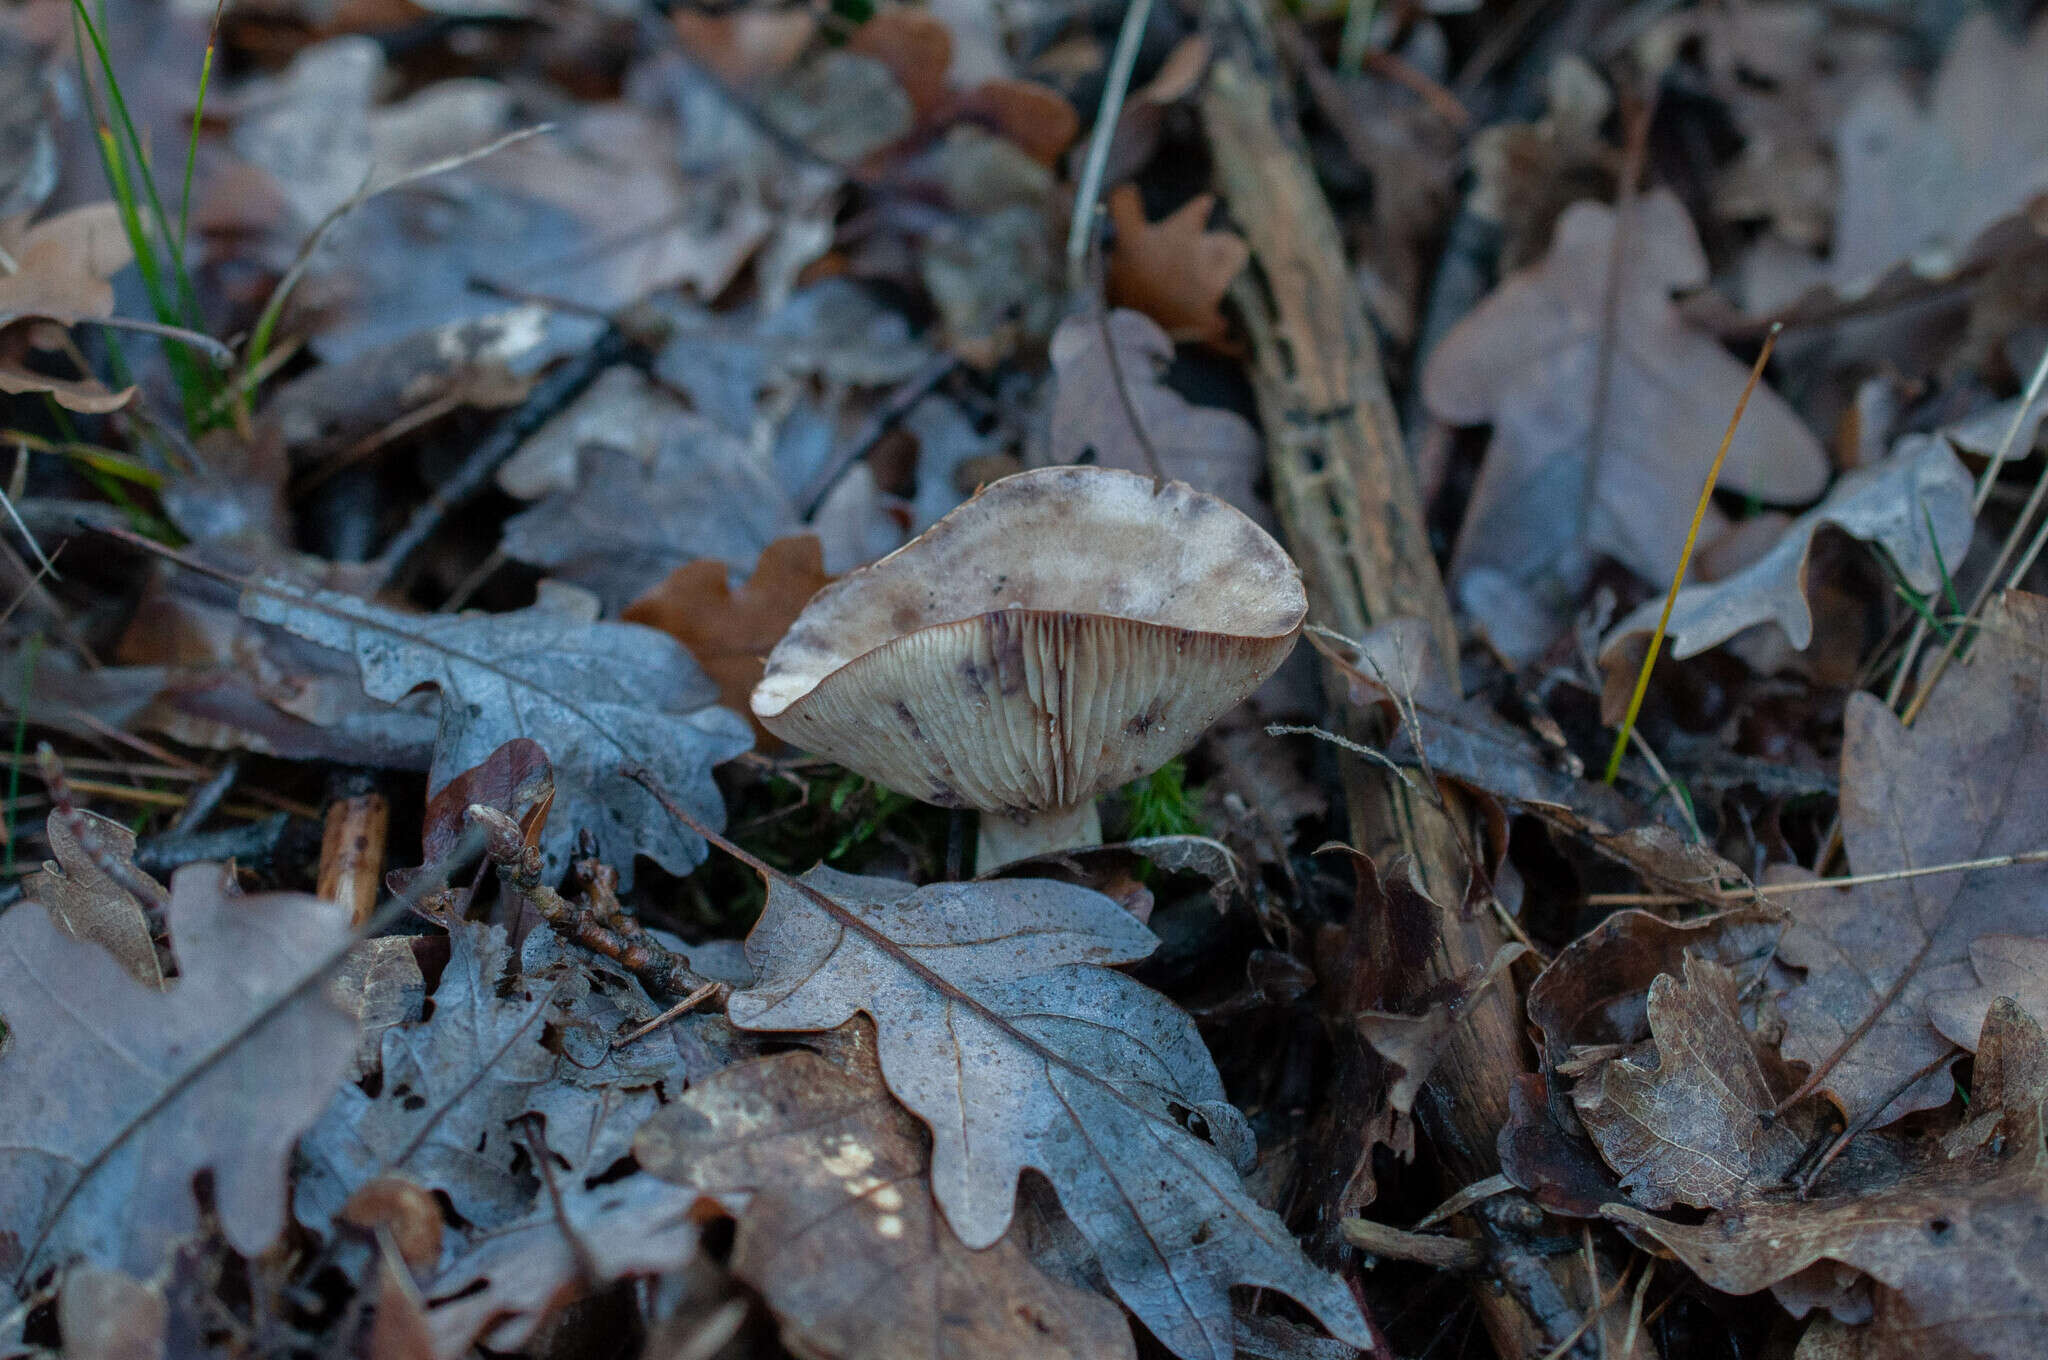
(594, 695)
(119, 1094)
(1924, 188)
(838, 1230)
(1528, 360)
(1175, 270)
(1690, 1129)
(1209, 448)
(1915, 505)
(1956, 1244)
(62, 274)
(1001, 1024)
(591, 1227)
(452, 1088)
(2006, 965)
(1967, 781)
(90, 903)
(731, 632)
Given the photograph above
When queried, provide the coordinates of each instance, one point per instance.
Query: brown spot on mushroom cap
(1063, 632)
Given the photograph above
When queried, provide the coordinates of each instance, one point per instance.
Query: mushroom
(1061, 633)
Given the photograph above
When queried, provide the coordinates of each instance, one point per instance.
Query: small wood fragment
(352, 853)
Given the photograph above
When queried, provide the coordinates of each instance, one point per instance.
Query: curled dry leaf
(594, 695)
(114, 1107)
(838, 1229)
(1527, 360)
(1967, 781)
(1041, 1057)
(86, 901)
(1954, 1240)
(1210, 449)
(1175, 270)
(731, 632)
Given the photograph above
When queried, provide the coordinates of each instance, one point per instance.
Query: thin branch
(1815, 884)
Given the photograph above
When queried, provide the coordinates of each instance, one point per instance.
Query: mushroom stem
(1007, 837)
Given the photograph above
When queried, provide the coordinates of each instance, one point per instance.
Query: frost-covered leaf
(1923, 486)
(1967, 781)
(1001, 1025)
(838, 1230)
(450, 1089)
(594, 695)
(89, 1167)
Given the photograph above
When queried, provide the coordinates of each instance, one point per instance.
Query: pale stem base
(1005, 839)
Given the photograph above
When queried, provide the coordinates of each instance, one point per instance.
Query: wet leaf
(1527, 360)
(1965, 782)
(91, 1165)
(838, 1229)
(1048, 1061)
(593, 695)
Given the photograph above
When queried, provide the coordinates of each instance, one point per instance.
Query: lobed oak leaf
(2014, 966)
(1001, 1025)
(61, 273)
(589, 1227)
(1210, 449)
(1915, 505)
(1690, 1129)
(731, 632)
(1175, 270)
(1967, 781)
(90, 903)
(838, 1228)
(594, 695)
(1528, 360)
(1953, 1239)
(119, 1094)
(1924, 188)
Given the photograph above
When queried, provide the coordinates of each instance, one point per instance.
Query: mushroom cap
(1063, 632)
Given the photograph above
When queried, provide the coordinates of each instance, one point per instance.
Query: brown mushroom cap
(1060, 634)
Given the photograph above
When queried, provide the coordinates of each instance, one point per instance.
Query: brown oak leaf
(1954, 1238)
(1175, 270)
(1967, 781)
(730, 632)
(838, 1230)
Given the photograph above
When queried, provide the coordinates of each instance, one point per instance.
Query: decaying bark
(1348, 503)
